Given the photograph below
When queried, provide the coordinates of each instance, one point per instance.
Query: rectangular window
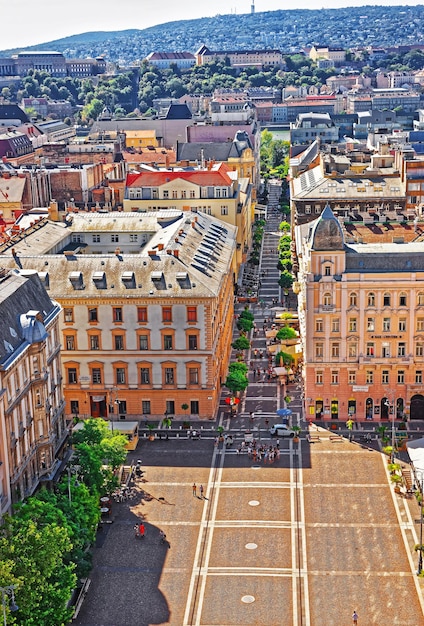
(192, 342)
(385, 350)
(169, 375)
(145, 376)
(119, 342)
(96, 376)
(370, 323)
(319, 350)
(96, 238)
(351, 377)
(192, 314)
(114, 238)
(224, 210)
(335, 325)
(142, 314)
(402, 325)
(122, 407)
(418, 377)
(194, 407)
(72, 376)
(75, 407)
(167, 342)
(166, 194)
(420, 323)
(370, 349)
(120, 376)
(92, 314)
(352, 324)
(319, 378)
(352, 350)
(170, 407)
(401, 377)
(145, 407)
(194, 376)
(401, 348)
(143, 342)
(334, 377)
(94, 342)
(335, 350)
(192, 193)
(386, 299)
(117, 314)
(327, 270)
(133, 238)
(386, 325)
(419, 349)
(69, 315)
(70, 342)
(166, 314)
(369, 377)
(385, 377)
(319, 326)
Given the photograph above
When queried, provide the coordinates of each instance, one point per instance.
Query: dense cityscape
(212, 337)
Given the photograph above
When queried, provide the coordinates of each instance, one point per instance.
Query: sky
(47, 20)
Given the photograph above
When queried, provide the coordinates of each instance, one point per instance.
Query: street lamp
(5, 593)
(420, 551)
(392, 408)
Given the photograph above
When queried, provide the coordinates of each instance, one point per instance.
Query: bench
(336, 438)
(312, 438)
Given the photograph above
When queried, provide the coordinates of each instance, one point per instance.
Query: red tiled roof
(204, 178)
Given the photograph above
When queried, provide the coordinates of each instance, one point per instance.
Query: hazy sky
(46, 20)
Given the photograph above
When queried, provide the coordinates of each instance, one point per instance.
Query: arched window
(328, 300)
(402, 299)
(371, 299)
(353, 298)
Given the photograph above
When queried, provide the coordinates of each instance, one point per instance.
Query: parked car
(281, 430)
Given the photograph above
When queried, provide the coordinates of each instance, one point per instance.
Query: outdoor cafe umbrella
(283, 412)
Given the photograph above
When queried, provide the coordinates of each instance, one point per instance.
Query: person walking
(355, 618)
(194, 489)
(142, 530)
(201, 491)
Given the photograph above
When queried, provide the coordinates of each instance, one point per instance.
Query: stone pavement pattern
(300, 543)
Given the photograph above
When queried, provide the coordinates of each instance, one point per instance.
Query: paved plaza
(301, 542)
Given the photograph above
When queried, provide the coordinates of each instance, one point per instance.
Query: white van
(281, 430)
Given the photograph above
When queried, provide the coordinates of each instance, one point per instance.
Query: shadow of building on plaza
(125, 577)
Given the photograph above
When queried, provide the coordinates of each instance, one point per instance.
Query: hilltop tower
(252, 7)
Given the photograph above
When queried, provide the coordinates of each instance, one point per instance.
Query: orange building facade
(361, 311)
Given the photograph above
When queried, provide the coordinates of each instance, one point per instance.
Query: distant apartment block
(240, 58)
(164, 60)
(53, 63)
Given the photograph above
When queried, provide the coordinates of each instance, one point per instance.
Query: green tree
(286, 332)
(38, 552)
(241, 343)
(236, 381)
(286, 280)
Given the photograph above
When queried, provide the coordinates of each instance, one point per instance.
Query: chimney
(176, 253)
(160, 246)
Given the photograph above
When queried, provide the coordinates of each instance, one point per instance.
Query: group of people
(257, 452)
(140, 532)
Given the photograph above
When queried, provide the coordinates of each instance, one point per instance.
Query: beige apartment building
(33, 430)
(147, 304)
(214, 190)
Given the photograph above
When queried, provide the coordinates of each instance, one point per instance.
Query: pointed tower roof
(326, 233)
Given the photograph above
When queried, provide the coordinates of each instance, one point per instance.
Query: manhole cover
(251, 546)
(254, 503)
(248, 599)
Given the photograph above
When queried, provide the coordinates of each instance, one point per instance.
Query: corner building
(361, 311)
